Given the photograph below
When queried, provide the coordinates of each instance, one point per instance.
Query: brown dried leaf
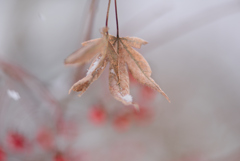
(113, 58)
(120, 54)
(134, 41)
(85, 53)
(119, 81)
(111, 39)
(140, 68)
(94, 72)
(133, 57)
(82, 85)
(116, 90)
(122, 71)
(88, 50)
(85, 43)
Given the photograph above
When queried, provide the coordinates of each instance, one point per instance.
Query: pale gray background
(194, 52)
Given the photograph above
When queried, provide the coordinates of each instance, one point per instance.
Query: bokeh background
(194, 53)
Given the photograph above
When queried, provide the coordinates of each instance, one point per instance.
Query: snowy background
(194, 53)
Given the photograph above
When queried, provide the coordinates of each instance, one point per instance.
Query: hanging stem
(109, 2)
(116, 18)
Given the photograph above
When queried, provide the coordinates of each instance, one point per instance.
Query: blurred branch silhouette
(198, 20)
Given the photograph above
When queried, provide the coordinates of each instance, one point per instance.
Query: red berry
(45, 139)
(122, 122)
(2, 155)
(147, 93)
(59, 157)
(16, 141)
(97, 115)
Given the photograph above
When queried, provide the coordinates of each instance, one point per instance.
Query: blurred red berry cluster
(44, 127)
(122, 120)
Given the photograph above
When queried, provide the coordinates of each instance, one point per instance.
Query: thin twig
(92, 13)
(116, 18)
(109, 2)
(88, 25)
